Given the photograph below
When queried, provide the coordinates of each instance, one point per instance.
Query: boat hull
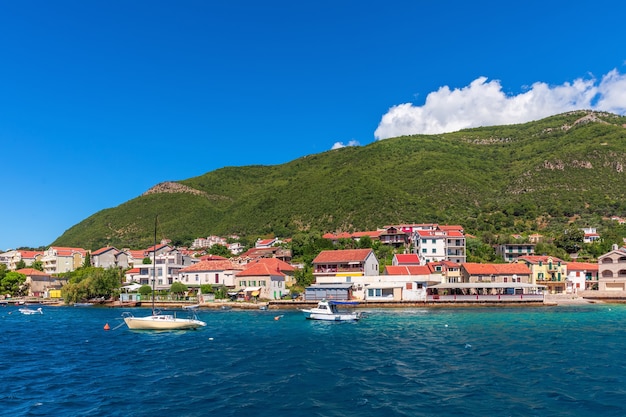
(162, 322)
(331, 317)
(29, 311)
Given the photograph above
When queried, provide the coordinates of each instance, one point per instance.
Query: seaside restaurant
(486, 291)
(337, 292)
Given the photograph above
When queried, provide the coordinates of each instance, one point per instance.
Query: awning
(255, 293)
(252, 289)
(132, 287)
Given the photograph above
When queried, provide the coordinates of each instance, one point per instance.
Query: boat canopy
(344, 303)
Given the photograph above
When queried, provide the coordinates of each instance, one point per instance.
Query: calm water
(553, 361)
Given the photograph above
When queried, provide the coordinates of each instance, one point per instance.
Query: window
(197, 278)
(434, 250)
(423, 250)
(217, 278)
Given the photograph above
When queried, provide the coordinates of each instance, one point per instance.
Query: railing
(502, 298)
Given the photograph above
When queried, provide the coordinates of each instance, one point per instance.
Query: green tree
(365, 242)
(145, 290)
(571, 240)
(304, 277)
(178, 288)
(38, 265)
(14, 283)
(20, 264)
(220, 250)
(87, 261)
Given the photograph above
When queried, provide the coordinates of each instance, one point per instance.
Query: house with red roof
(581, 276)
(394, 237)
(400, 283)
(345, 263)
(443, 243)
(546, 270)
(58, 259)
(266, 243)
(105, 257)
(39, 283)
(261, 280)
(216, 272)
(405, 259)
(11, 258)
(495, 273)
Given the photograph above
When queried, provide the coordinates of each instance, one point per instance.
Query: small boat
(327, 310)
(28, 311)
(83, 304)
(159, 321)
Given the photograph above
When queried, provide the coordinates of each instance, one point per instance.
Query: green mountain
(535, 176)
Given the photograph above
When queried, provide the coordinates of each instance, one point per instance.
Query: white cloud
(483, 103)
(338, 145)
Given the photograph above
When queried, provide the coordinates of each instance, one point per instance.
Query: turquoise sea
(545, 361)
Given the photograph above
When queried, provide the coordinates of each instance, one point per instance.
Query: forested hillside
(539, 176)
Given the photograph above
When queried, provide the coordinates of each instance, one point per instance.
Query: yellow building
(547, 270)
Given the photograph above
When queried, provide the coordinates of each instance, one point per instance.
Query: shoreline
(587, 297)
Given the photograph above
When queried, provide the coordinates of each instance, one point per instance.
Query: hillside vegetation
(537, 176)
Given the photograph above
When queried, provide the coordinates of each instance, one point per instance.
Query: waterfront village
(428, 267)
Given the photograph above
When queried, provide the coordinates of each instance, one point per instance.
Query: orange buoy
(276, 317)
(106, 327)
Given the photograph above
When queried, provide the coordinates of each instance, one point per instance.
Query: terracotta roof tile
(582, 266)
(32, 272)
(496, 269)
(215, 265)
(347, 255)
(259, 269)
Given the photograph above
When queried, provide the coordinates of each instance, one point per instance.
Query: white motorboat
(158, 321)
(26, 310)
(327, 310)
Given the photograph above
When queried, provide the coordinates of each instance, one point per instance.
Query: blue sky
(99, 101)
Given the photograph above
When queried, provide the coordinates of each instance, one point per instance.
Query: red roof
(31, 272)
(407, 270)
(409, 258)
(582, 266)
(102, 250)
(215, 265)
(29, 254)
(273, 263)
(535, 259)
(137, 254)
(258, 269)
(63, 251)
(346, 255)
(496, 269)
